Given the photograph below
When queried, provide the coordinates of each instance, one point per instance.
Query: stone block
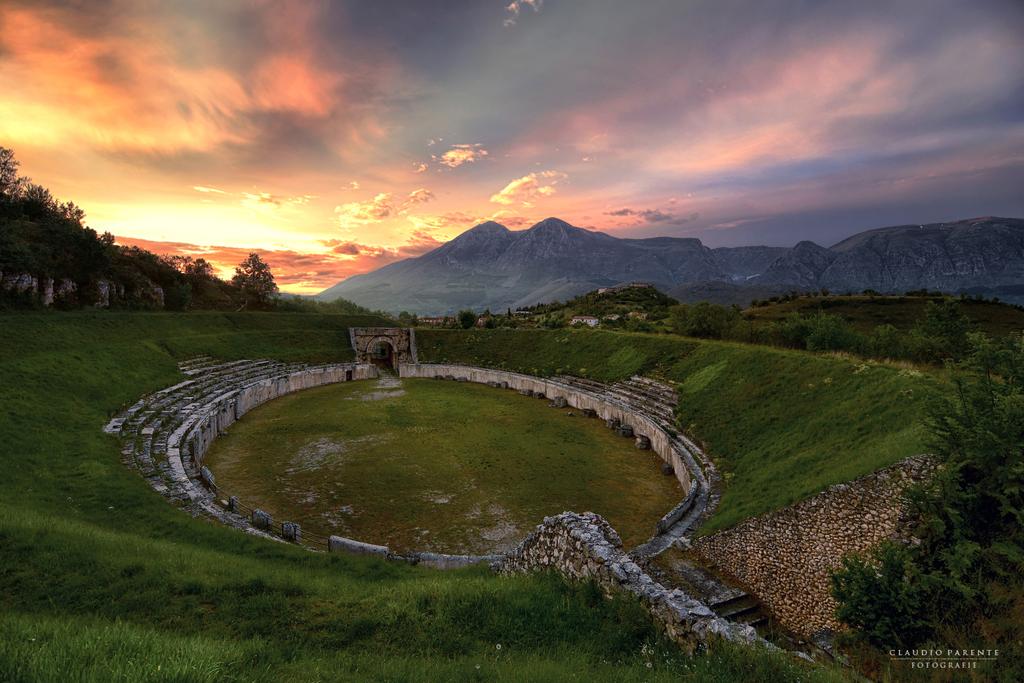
(233, 504)
(625, 430)
(348, 545)
(207, 477)
(559, 402)
(613, 422)
(589, 412)
(291, 531)
(667, 469)
(642, 443)
(262, 520)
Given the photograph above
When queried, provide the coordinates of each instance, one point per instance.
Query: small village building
(588, 320)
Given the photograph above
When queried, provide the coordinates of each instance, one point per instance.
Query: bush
(879, 598)
(831, 333)
(886, 342)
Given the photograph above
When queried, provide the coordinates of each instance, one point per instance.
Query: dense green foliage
(304, 304)
(781, 424)
(45, 244)
(959, 582)
(102, 580)
(939, 333)
(42, 239)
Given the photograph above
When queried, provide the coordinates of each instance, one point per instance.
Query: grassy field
(102, 580)
(781, 425)
(865, 313)
(440, 466)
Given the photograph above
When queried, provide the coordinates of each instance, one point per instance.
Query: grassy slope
(101, 579)
(441, 466)
(781, 424)
(865, 313)
(601, 355)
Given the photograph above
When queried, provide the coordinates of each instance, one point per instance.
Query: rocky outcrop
(584, 547)
(786, 557)
(800, 268)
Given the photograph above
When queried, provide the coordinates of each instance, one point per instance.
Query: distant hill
(490, 266)
(621, 302)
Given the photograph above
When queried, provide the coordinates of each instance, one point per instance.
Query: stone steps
(166, 432)
(725, 600)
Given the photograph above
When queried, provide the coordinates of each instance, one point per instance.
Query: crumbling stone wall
(585, 547)
(786, 557)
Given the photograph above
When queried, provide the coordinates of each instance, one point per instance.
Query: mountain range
(490, 266)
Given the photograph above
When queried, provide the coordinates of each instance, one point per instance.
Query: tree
(467, 319)
(942, 332)
(704, 319)
(255, 282)
(10, 181)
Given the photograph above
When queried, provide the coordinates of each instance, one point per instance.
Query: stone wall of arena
(194, 437)
(671, 451)
(786, 557)
(584, 547)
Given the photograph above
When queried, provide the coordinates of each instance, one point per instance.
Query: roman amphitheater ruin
(732, 589)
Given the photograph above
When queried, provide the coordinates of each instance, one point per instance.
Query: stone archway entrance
(382, 353)
(384, 346)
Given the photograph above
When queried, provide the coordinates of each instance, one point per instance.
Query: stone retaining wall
(671, 450)
(786, 557)
(585, 547)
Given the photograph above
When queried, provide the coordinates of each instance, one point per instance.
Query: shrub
(880, 599)
(831, 333)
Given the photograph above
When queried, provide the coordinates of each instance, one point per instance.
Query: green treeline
(940, 333)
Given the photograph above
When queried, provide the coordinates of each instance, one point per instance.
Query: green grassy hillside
(102, 580)
(782, 425)
(864, 313)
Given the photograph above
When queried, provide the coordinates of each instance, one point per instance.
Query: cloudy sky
(336, 137)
